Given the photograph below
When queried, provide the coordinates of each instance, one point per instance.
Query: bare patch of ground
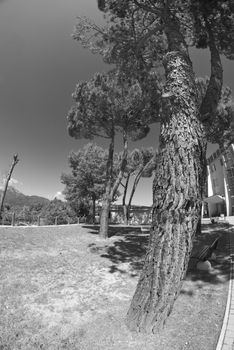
(64, 288)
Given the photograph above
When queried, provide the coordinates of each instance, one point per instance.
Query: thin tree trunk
(111, 190)
(135, 183)
(122, 166)
(94, 209)
(104, 220)
(177, 194)
(15, 161)
(124, 204)
(103, 231)
(128, 206)
(137, 179)
(126, 214)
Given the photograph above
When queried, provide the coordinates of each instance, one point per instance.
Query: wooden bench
(206, 252)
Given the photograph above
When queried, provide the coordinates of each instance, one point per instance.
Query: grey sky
(40, 65)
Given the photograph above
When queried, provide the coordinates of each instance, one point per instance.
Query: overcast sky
(40, 65)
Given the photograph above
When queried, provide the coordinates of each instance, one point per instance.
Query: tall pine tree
(146, 35)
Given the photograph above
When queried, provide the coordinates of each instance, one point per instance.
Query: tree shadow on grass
(130, 245)
(114, 230)
(130, 249)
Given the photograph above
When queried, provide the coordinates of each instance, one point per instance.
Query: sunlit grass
(64, 288)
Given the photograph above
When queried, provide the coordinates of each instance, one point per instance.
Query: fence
(13, 220)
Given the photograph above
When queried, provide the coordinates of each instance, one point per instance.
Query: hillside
(17, 199)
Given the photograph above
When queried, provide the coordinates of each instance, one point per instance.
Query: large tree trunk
(104, 220)
(177, 192)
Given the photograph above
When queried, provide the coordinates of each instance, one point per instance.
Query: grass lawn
(65, 288)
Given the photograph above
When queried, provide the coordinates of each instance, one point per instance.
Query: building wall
(139, 215)
(221, 180)
(216, 173)
(229, 176)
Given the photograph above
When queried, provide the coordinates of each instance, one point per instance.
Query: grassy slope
(64, 288)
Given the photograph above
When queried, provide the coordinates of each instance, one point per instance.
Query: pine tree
(108, 104)
(86, 181)
(150, 35)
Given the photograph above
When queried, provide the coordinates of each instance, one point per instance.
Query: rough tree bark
(15, 161)
(177, 192)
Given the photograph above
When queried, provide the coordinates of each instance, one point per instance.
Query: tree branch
(150, 32)
(213, 92)
(15, 161)
(125, 189)
(138, 176)
(155, 10)
(122, 166)
(122, 184)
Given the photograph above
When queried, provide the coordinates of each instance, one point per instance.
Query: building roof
(214, 199)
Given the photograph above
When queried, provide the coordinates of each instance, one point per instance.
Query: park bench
(206, 252)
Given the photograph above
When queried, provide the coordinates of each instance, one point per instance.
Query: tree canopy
(135, 38)
(111, 103)
(86, 180)
(58, 212)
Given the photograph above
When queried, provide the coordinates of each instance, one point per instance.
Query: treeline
(56, 212)
(85, 185)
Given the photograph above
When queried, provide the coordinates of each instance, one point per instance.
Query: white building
(220, 199)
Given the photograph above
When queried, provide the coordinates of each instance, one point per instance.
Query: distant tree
(36, 210)
(141, 163)
(107, 104)
(25, 215)
(14, 162)
(81, 207)
(58, 212)
(87, 180)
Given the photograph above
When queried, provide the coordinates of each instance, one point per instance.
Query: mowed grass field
(65, 288)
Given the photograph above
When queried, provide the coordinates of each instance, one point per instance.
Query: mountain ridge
(15, 198)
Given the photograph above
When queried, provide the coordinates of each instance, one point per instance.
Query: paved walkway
(226, 338)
